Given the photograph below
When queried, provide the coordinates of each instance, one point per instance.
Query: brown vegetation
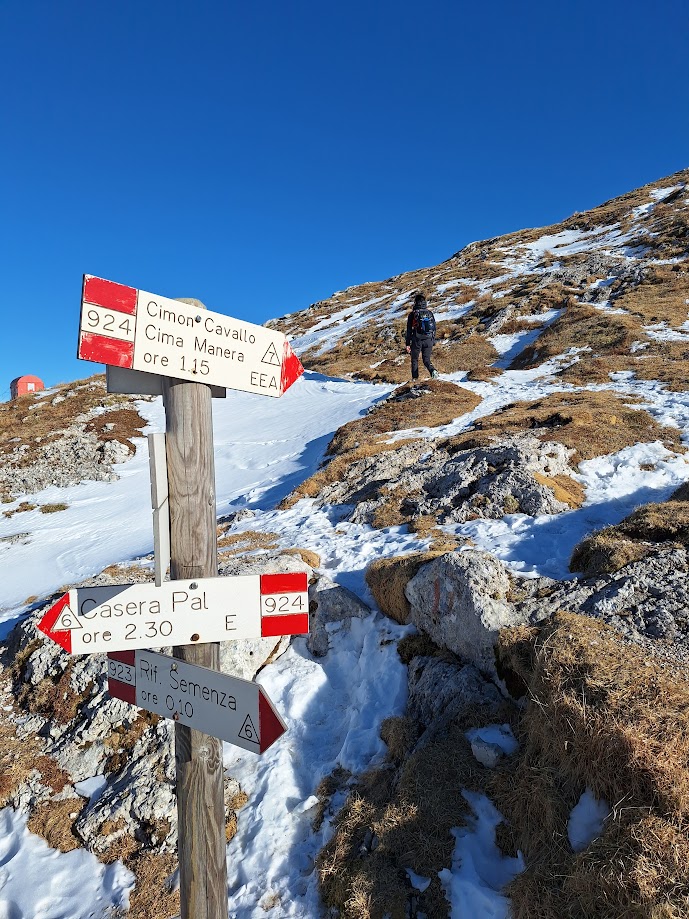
(124, 737)
(601, 715)
(16, 760)
(21, 508)
(53, 697)
(427, 404)
(660, 297)
(308, 556)
(614, 547)
(589, 423)
(580, 326)
(425, 527)
(121, 424)
(387, 578)
(247, 541)
(37, 419)
(565, 488)
(371, 344)
(402, 818)
(54, 821)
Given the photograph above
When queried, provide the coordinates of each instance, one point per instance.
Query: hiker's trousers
(424, 347)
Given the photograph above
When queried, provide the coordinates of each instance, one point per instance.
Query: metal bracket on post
(161, 505)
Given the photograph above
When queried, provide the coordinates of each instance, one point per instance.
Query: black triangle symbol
(271, 356)
(67, 621)
(248, 731)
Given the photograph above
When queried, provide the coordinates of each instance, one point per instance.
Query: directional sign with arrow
(125, 327)
(128, 616)
(223, 706)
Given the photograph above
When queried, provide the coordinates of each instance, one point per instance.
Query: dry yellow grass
(600, 714)
(395, 820)
(53, 697)
(580, 326)
(123, 738)
(613, 547)
(660, 297)
(308, 556)
(590, 423)
(387, 578)
(565, 488)
(152, 897)
(21, 508)
(54, 821)
(472, 354)
(353, 357)
(425, 404)
(247, 541)
(440, 542)
(17, 760)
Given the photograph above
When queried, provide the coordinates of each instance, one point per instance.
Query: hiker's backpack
(423, 322)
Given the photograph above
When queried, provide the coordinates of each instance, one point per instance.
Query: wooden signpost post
(187, 354)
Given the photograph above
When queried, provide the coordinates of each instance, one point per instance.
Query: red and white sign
(125, 327)
(128, 616)
(223, 706)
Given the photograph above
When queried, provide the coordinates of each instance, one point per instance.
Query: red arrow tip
(291, 368)
(62, 637)
(270, 724)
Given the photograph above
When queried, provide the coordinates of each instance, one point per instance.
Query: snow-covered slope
(596, 305)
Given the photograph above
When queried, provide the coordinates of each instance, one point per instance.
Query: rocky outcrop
(645, 600)
(460, 600)
(64, 701)
(486, 482)
(75, 456)
(442, 691)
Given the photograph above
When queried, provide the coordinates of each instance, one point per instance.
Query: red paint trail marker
(128, 616)
(133, 329)
(223, 706)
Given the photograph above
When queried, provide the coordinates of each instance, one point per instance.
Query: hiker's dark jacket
(414, 336)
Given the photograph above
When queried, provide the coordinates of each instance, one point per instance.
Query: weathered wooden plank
(200, 804)
(160, 504)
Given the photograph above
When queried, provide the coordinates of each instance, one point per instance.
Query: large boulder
(460, 600)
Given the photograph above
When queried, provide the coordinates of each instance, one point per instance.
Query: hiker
(420, 336)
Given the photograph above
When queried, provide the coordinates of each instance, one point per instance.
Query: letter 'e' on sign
(129, 328)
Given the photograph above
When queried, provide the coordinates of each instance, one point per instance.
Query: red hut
(23, 385)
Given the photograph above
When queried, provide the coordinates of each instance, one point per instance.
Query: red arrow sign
(125, 327)
(223, 706)
(128, 616)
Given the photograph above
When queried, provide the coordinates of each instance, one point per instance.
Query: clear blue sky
(262, 156)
